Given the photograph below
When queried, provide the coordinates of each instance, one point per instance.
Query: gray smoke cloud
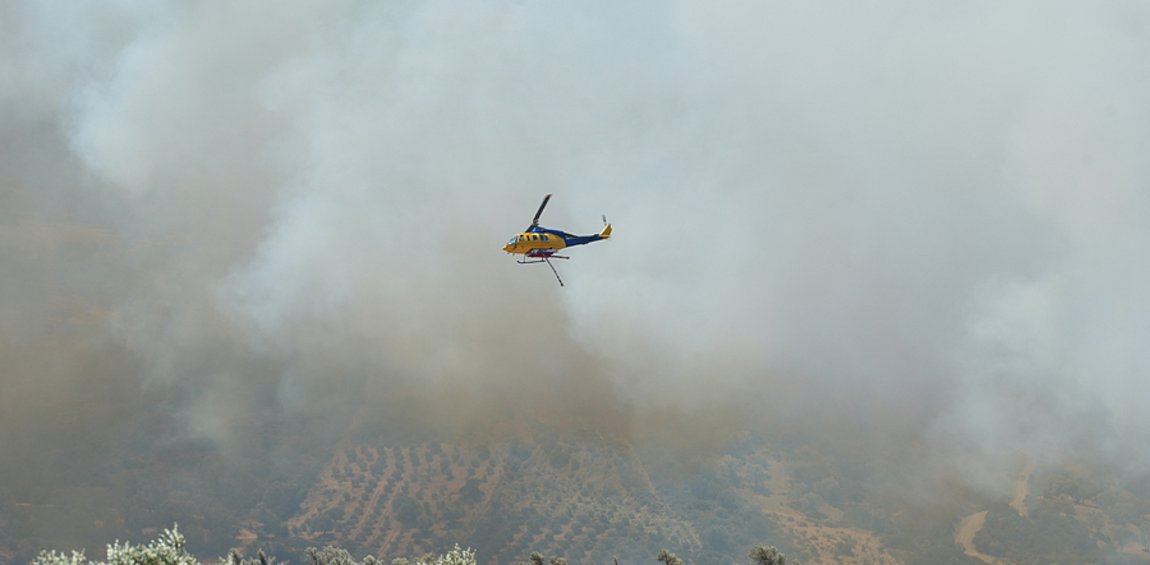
(879, 222)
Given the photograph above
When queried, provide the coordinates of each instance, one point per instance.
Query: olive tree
(669, 558)
(169, 549)
(768, 555)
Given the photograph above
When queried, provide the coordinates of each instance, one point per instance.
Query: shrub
(168, 549)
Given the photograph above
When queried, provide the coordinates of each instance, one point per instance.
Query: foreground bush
(170, 549)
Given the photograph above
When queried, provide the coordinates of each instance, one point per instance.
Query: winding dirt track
(964, 536)
(970, 525)
(1022, 490)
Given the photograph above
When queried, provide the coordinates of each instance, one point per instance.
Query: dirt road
(1022, 490)
(964, 536)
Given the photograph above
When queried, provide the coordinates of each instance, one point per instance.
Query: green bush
(168, 549)
(171, 549)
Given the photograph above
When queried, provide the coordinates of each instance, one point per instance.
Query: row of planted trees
(171, 549)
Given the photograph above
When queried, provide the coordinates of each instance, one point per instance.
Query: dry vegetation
(582, 501)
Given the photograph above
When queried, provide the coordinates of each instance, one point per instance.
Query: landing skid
(539, 260)
(548, 261)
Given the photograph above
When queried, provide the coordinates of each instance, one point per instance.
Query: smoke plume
(886, 223)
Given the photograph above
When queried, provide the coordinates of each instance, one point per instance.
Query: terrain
(593, 499)
(569, 492)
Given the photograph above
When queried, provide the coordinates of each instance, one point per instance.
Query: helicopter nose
(507, 248)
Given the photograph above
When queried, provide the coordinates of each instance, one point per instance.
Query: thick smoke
(885, 222)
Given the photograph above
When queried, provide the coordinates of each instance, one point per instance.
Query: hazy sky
(874, 220)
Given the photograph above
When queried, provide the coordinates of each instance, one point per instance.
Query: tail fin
(606, 233)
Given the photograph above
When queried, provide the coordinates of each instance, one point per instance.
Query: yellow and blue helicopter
(538, 244)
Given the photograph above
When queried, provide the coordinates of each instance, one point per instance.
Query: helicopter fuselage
(527, 242)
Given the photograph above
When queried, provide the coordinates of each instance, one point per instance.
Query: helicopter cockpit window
(512, 242)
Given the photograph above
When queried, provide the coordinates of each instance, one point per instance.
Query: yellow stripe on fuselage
(526, 242)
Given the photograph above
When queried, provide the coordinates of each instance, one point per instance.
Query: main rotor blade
(539, 212)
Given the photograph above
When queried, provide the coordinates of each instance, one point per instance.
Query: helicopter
(538, 244)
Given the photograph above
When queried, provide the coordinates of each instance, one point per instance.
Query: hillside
(592, 499)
